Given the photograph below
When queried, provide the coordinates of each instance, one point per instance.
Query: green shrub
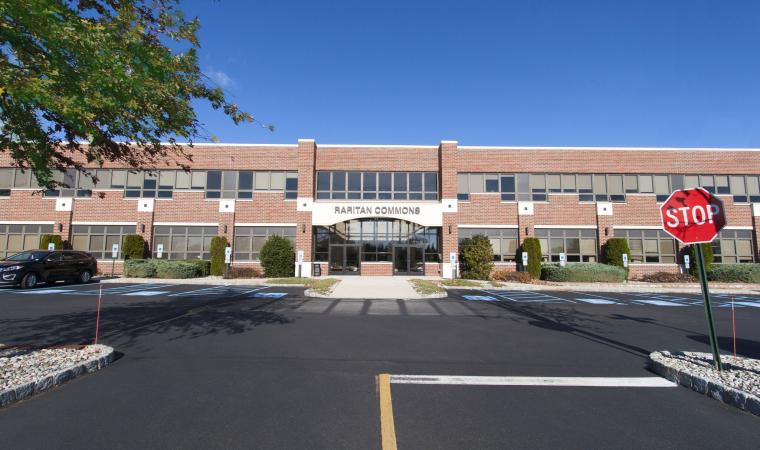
(614, 250)
(477, 257)
(46, 239)
(175, 269)
(583, 272)
(133, 247)
(218, 244)
(511, 275)
(706, 251)
(277, 257)
(734, 273)
(533, 247)
(203, 266)
(667, 277)
(139, 268)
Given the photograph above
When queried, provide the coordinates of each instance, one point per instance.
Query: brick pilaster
(307, 149)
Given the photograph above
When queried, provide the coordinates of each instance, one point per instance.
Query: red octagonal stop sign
(693, 216)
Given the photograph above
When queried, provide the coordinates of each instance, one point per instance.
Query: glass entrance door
(344, 259)
(408, 260)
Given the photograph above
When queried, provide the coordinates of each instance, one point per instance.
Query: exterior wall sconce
(527, 231)
(225, 229)
(606, 231)
(142, 228)
(303, 228)
(449, 229)
(60, 227)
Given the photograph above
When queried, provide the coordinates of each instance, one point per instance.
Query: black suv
(32, 266)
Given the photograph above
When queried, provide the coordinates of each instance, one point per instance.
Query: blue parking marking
(597, 301)
(526, 297)
(270, 294)
(751, 304)
(215, 291)
(122, 290)
(660, 303)
(480, 298)
(146, 293)
(46, 291)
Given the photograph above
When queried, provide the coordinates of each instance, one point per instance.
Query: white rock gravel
(24, 372)
(737, 384)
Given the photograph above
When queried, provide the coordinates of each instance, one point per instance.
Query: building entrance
(344, 259)
(408, 260)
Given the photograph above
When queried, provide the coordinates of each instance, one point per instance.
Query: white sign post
(453, 261)
(51, 246)
(525, 260)
(159, 251)
(227, 255)
(562, 259)
(299, 258)
(625, 259)
(686, 262)
(114, 255)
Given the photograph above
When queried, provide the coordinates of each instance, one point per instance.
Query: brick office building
(384, 210)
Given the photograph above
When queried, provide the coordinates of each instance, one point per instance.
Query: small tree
(46, 239)
(218, 244)
(133, 247)
(277, 257)
(708, 254)
(477, 258)
(533, 247)
(614, 250)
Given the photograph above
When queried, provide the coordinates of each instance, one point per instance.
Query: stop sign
(693, 216)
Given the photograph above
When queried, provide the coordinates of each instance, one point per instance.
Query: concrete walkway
(374, 287)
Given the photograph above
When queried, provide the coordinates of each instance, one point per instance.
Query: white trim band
(533, 381)
(488, 226)
(585, 227)
(104, 223)
(27, 222)
(260, 224)
(186, 224)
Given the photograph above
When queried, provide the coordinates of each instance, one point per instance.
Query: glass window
(98, 239)
(369, 181)
(578, 245)
(733, 246)
(463, 186)
(415, 182)
(492, 183)
(568, 183)
(690, 181)
(277, 181)
(649, 246)
(554, 183)
(476, 183)
(646, 185)
(182, 242)
(248, 241)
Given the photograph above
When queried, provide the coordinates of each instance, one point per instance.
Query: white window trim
(488, 226)
(553, 227)
(27, 222)
(251, 224)
(104, 223)
(185, 224)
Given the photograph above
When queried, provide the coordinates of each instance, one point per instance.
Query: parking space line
(597, 300)
(533, 381)
(527, 296)
(387, 426)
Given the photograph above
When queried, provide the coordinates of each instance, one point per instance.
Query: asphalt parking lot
(266, 367)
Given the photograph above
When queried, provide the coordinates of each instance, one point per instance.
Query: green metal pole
(708, 309)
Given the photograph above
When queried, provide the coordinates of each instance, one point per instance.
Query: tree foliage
(46, 239)
(477, 258)
(614, 250)
(533, 247)
(100, 80)
(133, 246)
(217, 249)
(277, 257)
(707, 252)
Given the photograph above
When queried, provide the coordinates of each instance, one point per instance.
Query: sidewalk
(374, 287)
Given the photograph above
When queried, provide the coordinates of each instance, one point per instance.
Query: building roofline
(633, 149)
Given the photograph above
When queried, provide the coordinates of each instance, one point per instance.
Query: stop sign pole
(695, 217)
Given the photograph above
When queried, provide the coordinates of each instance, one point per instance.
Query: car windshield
(26, 256)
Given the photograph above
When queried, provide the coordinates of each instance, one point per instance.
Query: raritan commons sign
(329, 213)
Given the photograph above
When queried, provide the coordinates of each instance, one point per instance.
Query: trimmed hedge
(133, 247)
(706, 251)
(218, 244)
(157, 268)
(667, 277)
(511, 275)
(734, 273)
(242, 272)
(477, 257)
(583, 272)
(613, 252)
(277, 257)
(46, 239)
(533, 247)
(203, 265)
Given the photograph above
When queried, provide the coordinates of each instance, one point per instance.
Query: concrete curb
(618, 287)
(21, 392)
(710, 387)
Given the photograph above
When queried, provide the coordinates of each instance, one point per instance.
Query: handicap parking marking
(122, 290)
(146, 293)
(270, 294)
(750, 304)
(480, 298)
(527, 297)
(596, 301)
(45, 291)
(659, 303)
(230, 291)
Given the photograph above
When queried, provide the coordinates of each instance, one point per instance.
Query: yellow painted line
(387, 427)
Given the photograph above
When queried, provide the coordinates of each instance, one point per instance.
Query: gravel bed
(25, 371)
(737, 384)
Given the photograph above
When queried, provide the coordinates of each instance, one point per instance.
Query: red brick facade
(448, 158)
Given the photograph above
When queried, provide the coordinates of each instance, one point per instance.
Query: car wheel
(29, 280)
(85, 276)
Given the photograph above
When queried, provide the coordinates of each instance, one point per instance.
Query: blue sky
(555, 73)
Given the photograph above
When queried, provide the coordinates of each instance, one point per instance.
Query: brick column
(756, 230)
(62, 225)
(447, 155)
(604, 225)
(307, 149)
(145, 218)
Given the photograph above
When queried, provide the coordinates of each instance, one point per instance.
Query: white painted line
(753, 304)
(146, 293)
(659, 303)
(533, 381)
(597, 301)
(46, 291)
